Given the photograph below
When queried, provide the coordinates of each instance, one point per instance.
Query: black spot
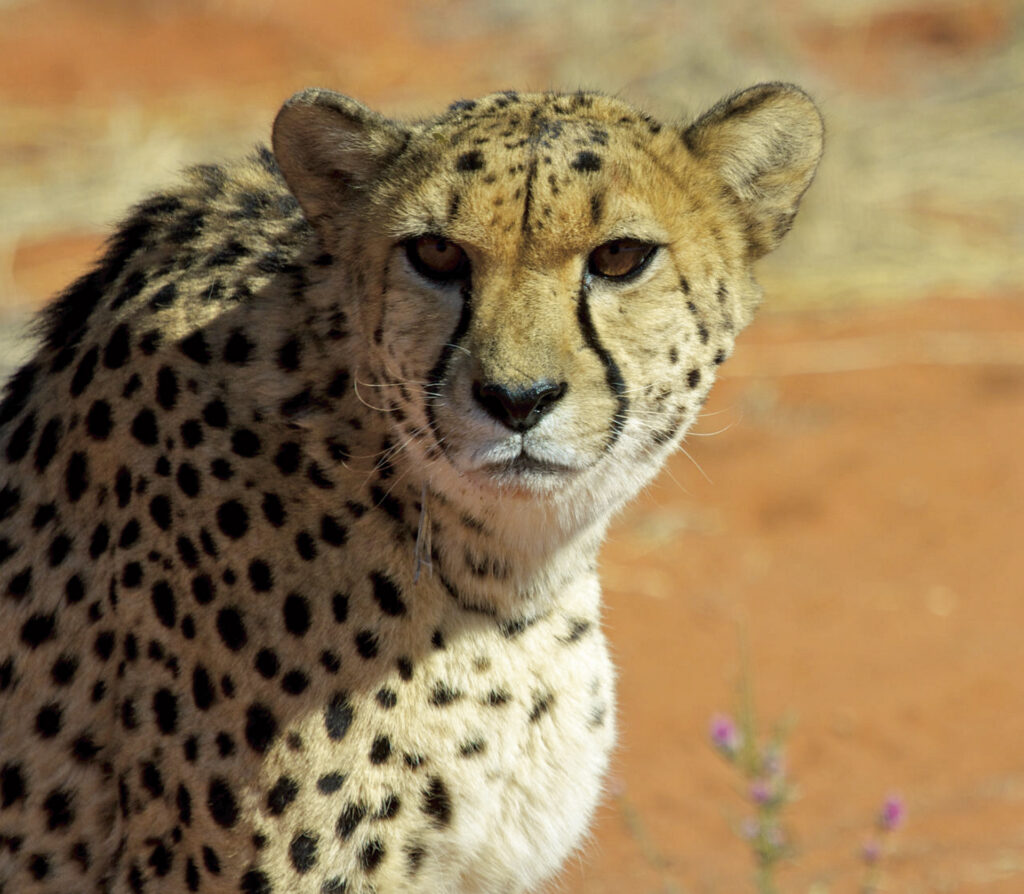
(295, 682)
(273, 510)
(203, 692)
(255, 882)
(380, 751)
(404, 669)
(473, 747)
(339, 603)
(281, 795)
(160, 511)
(260, 576)
(332, 531)
(586, 161)
(225, 744)
(211, 860)
(693, 378)
(317, 477)
(541, 705)
(12, 784)
(151, 779)
(38, 629)
(84, 749)
(338, 716)
(49, 720)
(305, 546)
(387, 594)
(191, 433)
(232, 519)
(296, 614)
(17, 392)
(470, 161)
(366, 644)
(99, 542)
(164, 297)
(720, 357)
(444, 695)
(221, 803)
(303, 852)
(391, 505)
(437, 639)
(164, 604)
(161, 859)
(372, 854)
(166, 388)
(98, 422)
(59, 548)
(288, 457)
(85, 371)
(165, 711)
(329, 783)
(49, 439)
(103, 645)
(339, 384)
(245, 442)
(260, 727)
(10, 498)
(203, 589)
(386, 698)
(289, 355)
(144, 427)
(19, 585)
(350, 818)
(21, 439)
(63, 670)
(195, 348)
(231, 628)
(215, 414)
(266, 663)
(238, 348)
(437, 802)
(39, 866)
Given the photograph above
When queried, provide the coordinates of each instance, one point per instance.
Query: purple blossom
(762, 791)
(725, 735)
(871, 853)
(892, 814)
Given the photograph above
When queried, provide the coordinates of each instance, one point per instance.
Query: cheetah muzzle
(303, 489)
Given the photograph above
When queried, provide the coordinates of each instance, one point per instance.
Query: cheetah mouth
(525, 470)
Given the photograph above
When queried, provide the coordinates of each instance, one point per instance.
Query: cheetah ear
(764, 142)
(327, 147)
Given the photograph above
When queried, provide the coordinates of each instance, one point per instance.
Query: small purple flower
(725, 735)
(871, 853)
(892, 814)
(762, 791)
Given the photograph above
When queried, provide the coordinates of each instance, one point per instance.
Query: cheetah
(302, 492)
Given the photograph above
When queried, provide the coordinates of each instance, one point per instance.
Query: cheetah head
(545, 284)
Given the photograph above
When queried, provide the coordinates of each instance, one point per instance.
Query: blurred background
(852, 504)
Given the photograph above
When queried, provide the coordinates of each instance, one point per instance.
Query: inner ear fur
(764, 143)
(327, 145)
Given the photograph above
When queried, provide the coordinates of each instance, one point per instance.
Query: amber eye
(620, 258)
(437, 258)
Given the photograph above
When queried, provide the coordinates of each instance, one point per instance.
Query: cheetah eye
(620, 258)
(437, 259)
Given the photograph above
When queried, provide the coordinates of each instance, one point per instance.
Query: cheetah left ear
(327, 146)
(765, 143)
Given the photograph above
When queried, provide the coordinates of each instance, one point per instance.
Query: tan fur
(298, 590)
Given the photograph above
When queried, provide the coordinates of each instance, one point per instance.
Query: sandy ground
(852, 504)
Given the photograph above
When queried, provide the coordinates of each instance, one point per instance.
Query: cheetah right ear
(764, 143)
(328, 146)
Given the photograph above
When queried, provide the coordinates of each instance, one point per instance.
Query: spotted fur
(298, 537)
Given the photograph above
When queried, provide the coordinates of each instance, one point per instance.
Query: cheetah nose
(519, 409)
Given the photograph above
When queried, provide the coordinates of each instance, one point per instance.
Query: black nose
(519, 409)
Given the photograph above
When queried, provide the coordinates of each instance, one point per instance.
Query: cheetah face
(549, 282)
